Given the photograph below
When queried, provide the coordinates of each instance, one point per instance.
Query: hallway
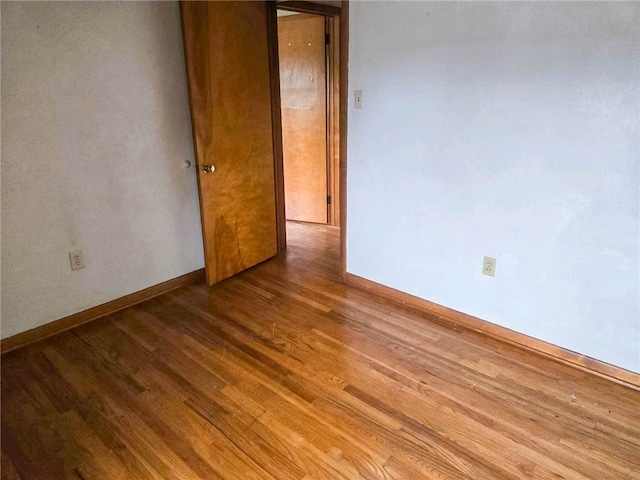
(283, 372)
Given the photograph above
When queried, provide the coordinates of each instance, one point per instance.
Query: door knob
(206, 168)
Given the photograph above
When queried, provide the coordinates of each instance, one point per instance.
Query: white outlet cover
(489, 266)
(76, 259)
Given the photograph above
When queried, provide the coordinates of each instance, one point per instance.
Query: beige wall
(95, 127)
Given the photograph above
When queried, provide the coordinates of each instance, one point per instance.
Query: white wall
(507, 129)
(95, 127)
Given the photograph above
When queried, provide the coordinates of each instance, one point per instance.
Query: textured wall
(507, 129)
(95, 127)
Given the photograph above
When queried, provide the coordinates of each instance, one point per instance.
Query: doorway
(236, 116)
(308, 57)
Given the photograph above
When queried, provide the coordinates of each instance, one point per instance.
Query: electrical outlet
(489, 266)
(76, 258)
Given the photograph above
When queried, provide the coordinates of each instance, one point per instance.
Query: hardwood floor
(284, 373)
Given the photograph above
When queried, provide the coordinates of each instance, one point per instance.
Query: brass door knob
(206, 168)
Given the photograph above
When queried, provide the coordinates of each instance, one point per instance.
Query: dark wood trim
(344, 108)
(309, 7)
(328, 95)
(276, 118)
(86, 316)
(332, 30)
(450, 317)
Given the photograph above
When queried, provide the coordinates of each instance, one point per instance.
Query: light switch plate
(358, 99)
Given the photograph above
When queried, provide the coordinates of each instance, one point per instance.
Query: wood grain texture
(284, 372)
(303, 86)
(309, 7)
(344, 98)
(333, 119)
(99, 311)
(227, 59)
(276, 121)
(460, 319)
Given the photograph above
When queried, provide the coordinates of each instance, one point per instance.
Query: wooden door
(303, 86)
(227, 57)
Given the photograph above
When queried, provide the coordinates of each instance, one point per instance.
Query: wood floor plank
(7, 468)
(283, 372)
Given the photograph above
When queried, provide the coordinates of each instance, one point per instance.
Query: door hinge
(327, 39)
(328, 199)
